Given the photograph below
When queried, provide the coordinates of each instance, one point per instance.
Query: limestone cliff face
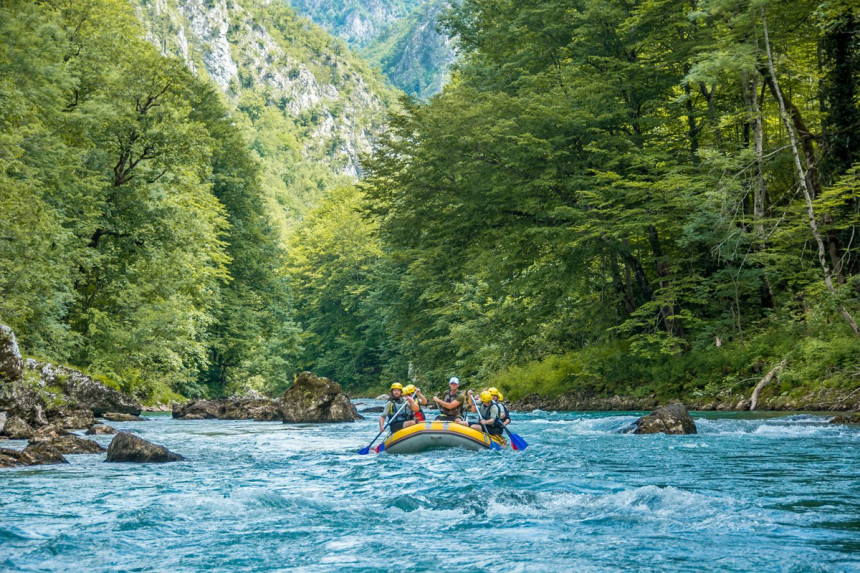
(398, 36)
(263, 48)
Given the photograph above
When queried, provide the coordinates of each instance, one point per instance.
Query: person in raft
(489, 415)
(499, 400)
(416, 399)
(400, 418)
(451, 407)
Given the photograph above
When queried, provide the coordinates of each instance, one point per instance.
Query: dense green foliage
(135, 239)
(606, 197)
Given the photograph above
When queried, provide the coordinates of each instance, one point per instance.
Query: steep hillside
(310, 106)
(398, 36)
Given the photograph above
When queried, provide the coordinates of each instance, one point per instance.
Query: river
(748, 493)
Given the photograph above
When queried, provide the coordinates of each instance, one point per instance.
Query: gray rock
(100, 430)
(29, 457)
(314, 399)
(11, 363)
(121, 417)
(852, 418)
(671, 419)
(127, 447)
(372, 410)
(260, 409)
(3, 418)
(64, 444)
(18, 429)
(21, 400)
(70, 418)
(83, 391)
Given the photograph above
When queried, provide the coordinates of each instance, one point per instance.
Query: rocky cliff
(267, 58)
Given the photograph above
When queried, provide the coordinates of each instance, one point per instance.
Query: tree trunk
(764, 382)
(813, 225)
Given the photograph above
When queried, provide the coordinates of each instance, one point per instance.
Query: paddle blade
(364, 451)
(517, 442)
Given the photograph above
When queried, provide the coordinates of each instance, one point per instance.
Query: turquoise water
(745, 494)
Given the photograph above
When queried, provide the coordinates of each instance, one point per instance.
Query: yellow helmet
(500, 397)
(410, 388)
(493, 390)
(397, 386)
(486, 396)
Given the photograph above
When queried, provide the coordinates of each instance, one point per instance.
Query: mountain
(310, 107)
(398, 36)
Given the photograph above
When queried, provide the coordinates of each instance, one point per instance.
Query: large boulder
(11, 363)
(260, 409)
(127, 447)
(198, 410)
(315, 399)
(671, 419)
(83, 391)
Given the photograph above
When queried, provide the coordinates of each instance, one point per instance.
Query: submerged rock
(315, 399)
(11, 363)
(671, 419)
(373, 410)
(127, 447)
(29, 457)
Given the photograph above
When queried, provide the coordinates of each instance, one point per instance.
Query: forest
(654, 197)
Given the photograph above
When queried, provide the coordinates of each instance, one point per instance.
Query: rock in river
(127, 447)
(260, 409)
(671, 419)
(83, 391)
(315, 399)
(122, 417)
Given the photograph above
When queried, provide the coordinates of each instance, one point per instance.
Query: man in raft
(499, 400)
(394, 411)
(451, 407)
(489, 415)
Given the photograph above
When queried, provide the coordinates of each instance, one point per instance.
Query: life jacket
(452, 411)
(393, 416)
(486, 413)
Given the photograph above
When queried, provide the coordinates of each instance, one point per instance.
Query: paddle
(493, 444)
(366, 450)
(517, 442)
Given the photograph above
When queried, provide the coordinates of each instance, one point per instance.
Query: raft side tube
(428, 435)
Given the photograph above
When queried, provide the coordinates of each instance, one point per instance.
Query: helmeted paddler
(416, 399)
(489, 415)
(397, 411)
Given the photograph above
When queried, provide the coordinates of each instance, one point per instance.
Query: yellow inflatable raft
(427, 435)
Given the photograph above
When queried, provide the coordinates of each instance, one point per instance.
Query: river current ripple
(765, 493)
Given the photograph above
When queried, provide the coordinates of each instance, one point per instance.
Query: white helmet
(454, 380)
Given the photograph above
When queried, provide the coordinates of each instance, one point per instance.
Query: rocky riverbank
(38, 396)
(311, 399)
(819, 400)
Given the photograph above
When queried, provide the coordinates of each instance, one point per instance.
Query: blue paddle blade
(364, 451)
(517, 442)
(380, 448)
(494, 445)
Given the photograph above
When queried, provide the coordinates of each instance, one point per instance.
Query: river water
(764, 493)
